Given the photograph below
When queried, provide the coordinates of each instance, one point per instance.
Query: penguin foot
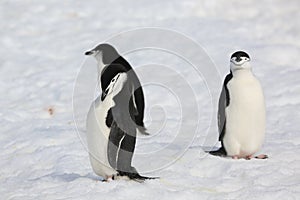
(109, 178)
(135, 176)
(235, 157)
(262, 156)
(220, 152)
(249, 157)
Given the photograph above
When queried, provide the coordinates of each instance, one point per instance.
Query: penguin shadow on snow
(208, 150)
(68, 177)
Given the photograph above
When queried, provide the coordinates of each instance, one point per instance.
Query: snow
(42, 45)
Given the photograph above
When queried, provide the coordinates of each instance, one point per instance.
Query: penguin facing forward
(241, 112)
(110, 63)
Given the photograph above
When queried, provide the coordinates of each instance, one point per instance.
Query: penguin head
(104, 53)
(239, 60)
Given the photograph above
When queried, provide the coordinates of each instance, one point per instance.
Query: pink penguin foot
(249, 157)
(235, 157)
(261, 156)
(109, 178)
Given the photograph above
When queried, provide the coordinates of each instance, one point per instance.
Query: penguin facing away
(110, 63)
(111, 132)
(112, 123)
(241, 111)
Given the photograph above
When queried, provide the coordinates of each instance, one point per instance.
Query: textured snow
(42, 46)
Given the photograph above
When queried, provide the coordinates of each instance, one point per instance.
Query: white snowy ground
(42, 46)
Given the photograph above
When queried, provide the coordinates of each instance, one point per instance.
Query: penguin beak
(88, 53)
(238, 59)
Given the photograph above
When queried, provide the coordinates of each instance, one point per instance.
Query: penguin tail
(142, 130)
(220, 152)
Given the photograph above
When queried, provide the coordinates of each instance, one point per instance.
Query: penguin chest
(101, 112)
(245, 117)
(97, 137)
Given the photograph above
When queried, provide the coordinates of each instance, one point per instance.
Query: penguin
(114, 117)
(110, 63)
(241, 111)
(111, 131)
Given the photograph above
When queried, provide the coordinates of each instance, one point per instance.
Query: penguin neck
(241, 72)
(100, 64)
(100, 68)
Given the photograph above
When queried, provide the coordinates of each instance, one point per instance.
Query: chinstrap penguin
(110, 63)
(111, 121)
(241, 111)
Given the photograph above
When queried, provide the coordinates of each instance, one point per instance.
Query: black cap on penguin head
(109, 53)
(239, 54)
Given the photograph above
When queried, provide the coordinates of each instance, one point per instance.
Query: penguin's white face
(98, 56)
(240, 60)
(104, 53)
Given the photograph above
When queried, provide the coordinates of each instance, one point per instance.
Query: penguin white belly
(97, 137)
(245, 117)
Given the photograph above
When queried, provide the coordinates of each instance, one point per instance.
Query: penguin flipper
(224, 101)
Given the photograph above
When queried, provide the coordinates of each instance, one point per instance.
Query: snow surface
(42, 46)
